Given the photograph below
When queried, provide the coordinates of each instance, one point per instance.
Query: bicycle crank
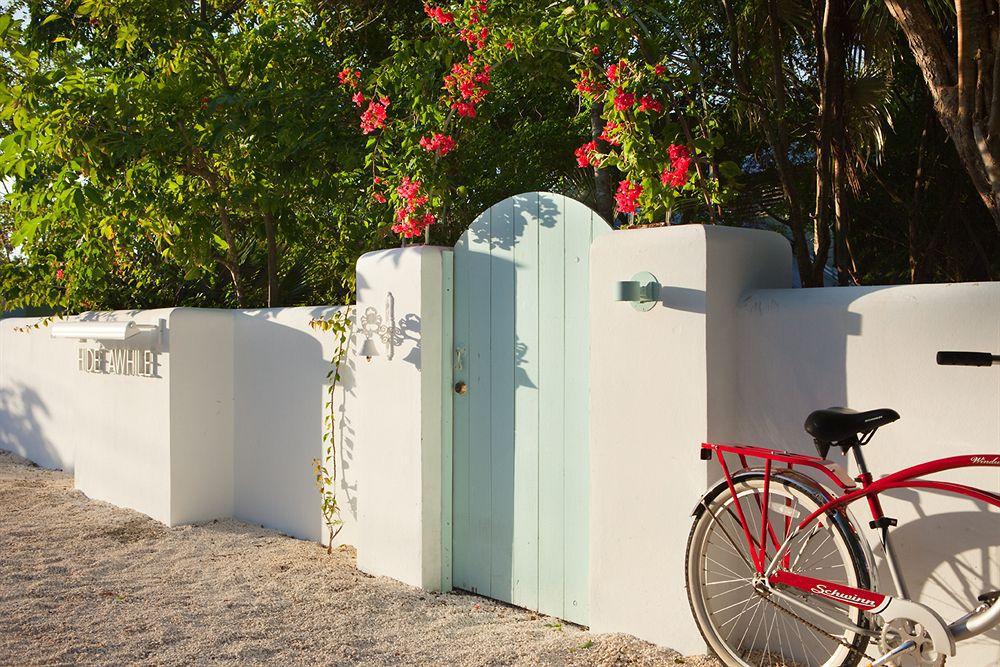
(907, 644)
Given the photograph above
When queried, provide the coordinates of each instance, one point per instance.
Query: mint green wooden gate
(520, 457)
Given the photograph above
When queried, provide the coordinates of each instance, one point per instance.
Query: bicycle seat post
(880, 522)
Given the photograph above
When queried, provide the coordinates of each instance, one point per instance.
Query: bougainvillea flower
(627, 196)
(439, 15)
(650, 104)
(442, 144)
(623, 100)
(374, 116)
(584, 155)
(349, 77)
(607, 134)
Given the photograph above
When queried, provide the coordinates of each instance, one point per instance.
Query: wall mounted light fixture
(643, 291)
(372, 325)
(97, 330)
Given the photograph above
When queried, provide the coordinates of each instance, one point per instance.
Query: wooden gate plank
(526, 277)
(551, 402)
(575, 446)
(480, 408)
(502, 396)
(461, 566)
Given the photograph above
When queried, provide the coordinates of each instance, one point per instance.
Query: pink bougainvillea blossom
(349, 77)
(677, 151)
(627, 196)
(585, 155)
(374, 116)
(410, 226)
(617, 70)
(587, 85)
(623, 100)
(467, 85)
(442, 144)
(476, 39)
(608, 134)
(676, 175)
(60, 274)
(439, 15)
(650, 104)
(410, 221)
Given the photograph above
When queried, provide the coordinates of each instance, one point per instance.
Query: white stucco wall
(398, 412)
(229, 426)
(874, 347)
(280, 380)
(656, 388)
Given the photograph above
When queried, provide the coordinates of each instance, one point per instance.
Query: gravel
(82, 581)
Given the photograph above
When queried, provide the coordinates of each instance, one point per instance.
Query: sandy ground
(82, 581)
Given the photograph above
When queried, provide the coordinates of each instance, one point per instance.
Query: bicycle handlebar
(967, 359)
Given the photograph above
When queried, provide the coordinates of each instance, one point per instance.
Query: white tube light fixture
(103, 330)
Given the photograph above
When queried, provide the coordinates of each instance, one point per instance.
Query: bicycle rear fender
(819, 495)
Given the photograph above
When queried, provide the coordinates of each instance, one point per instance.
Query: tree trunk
(231, 261)
(963, 86)
(602, 175)
(273, 300)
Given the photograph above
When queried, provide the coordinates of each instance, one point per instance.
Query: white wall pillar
(661, 382)
(399, 431)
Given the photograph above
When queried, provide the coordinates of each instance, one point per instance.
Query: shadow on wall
(21, 413)
(281, 393)
(866, 348)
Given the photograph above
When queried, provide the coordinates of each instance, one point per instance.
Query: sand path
(82, 581)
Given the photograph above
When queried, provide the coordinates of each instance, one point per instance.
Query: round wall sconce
(643, 291)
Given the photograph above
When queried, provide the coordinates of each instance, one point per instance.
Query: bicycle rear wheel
(740, 624)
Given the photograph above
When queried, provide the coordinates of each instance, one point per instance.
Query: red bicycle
(779, 573)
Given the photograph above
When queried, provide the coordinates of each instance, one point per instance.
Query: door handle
(461, 387)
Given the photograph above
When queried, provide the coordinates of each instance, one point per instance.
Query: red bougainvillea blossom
(627, 197)
(608, 134)
(596, 50)
(650, 104)
(374, 116)
(410, 220)
(476, 39)
(442, 144)
(467, 86)
(439, 15)
(358, 98)
(623, 100)
(585, 155)
(617, 70)
(349, 77)
(660, 70)
(676, 175)
(60, 274)
(509, 45)
(587, 85)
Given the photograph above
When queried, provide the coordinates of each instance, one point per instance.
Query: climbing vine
(325, 469)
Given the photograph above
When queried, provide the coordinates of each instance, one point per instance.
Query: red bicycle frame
(849, 493)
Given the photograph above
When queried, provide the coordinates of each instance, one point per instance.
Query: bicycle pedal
(989, 598)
